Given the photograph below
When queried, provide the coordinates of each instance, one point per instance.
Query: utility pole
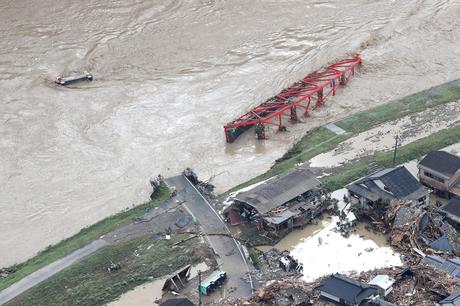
(395, 149)
(199, 287)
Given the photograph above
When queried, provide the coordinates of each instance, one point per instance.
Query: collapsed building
(286, 201)
(452, 210)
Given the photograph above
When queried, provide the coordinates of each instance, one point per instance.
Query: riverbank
(322, 139)
(315, 142)
(140, 260)
(84, 237)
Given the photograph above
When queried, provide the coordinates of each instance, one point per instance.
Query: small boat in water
(61, 80)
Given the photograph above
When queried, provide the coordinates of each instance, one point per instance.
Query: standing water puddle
(148, 293)
(322, 251)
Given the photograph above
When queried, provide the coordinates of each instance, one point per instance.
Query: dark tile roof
(441, 162)
(377, 302)
(279, 190)
(347, 289)
(177, 302)
(453, 299)
(399, 181)
(452, 207)
(451, 265)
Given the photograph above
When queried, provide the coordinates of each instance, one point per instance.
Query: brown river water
(168, 76)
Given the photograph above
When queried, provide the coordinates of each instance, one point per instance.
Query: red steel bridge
(305, 94)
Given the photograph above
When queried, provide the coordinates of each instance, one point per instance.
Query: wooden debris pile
(288, 291)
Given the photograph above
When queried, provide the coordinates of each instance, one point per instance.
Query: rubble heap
(204, 187)
(414, 227)
(420, 285)
(288, 291)
(416, 285)
(275, 264)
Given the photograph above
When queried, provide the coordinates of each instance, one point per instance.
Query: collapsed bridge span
(306, 94)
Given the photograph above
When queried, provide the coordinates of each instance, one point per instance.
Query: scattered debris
(346, 223)
(6, 271)
(290, 264)
(113, 267)
(205, 188)
(413, 227)
(419, 285)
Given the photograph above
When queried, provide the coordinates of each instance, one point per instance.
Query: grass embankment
(411, 151)
(89, 283)
(320, 140)
(84, 237)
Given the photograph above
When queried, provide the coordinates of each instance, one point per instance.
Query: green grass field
(411, 151)
(89, 283)
(84, 237)
(320, 140)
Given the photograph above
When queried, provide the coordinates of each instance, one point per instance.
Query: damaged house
(343, 290)
(440, 171)
(286, 201)
(386, 185)
(452, 210)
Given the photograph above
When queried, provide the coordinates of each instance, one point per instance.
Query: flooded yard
(329, 252)
(323, 251)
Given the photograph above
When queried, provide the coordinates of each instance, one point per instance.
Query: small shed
(383, 283)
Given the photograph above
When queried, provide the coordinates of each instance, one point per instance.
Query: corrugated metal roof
(280, 218)
(279, 190)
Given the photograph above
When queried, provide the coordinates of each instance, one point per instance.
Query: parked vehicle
(216, 279)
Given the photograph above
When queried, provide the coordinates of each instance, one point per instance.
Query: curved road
(229, 254)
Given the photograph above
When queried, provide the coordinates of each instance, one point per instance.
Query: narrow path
(42, 274)
(335, 129)
(229, 255)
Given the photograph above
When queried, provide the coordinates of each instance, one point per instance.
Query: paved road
(229, 255)
(40, 275)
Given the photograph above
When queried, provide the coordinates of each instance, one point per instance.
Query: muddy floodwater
(168, 75)
(323, 251)
(148, 294)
